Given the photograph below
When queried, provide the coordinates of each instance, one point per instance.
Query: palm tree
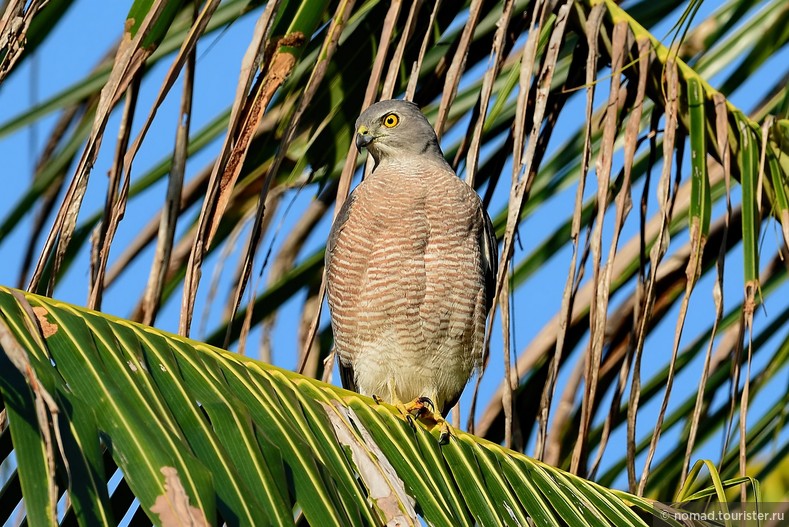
(641, 148)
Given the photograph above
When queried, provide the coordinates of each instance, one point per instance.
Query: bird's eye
(391, 120)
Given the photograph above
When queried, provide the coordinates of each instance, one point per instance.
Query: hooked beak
(363, 137)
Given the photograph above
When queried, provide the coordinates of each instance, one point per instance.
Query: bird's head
(395, 128)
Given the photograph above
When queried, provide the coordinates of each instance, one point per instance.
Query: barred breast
(406, 284)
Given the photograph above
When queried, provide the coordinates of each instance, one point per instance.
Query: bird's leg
(423, 408)
(409, 416)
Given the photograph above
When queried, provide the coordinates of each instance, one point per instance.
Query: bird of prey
(411, 268)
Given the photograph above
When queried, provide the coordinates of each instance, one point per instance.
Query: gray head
(394, 128)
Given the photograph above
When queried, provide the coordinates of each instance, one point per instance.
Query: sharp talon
(443, 436)
(419, 411)
(410, 421)
(421, 408)
(426, 400)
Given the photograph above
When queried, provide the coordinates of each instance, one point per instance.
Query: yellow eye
(391, 120)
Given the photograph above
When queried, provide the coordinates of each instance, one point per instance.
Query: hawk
(411, 269)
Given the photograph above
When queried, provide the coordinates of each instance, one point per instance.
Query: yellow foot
(422, 408)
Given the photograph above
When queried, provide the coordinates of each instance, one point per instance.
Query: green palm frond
(204, 434)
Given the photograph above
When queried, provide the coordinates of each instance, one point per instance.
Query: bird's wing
(348, 377)
(490, 257)
(346, 370)
(336, 228)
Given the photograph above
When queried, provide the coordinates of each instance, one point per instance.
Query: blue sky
(71, 53)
